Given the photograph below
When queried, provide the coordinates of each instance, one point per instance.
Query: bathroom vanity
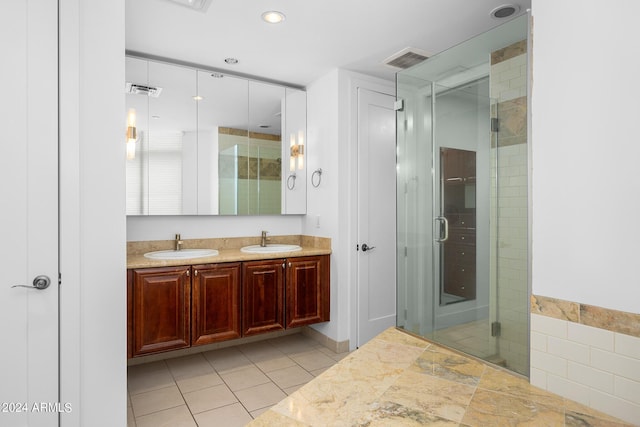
(181, 303)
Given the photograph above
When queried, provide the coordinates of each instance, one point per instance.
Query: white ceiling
(316, 36)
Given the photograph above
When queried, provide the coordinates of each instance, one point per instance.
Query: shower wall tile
(627, 345)
(591, 377)
(594, 366)
(594, 337)
(512, 51)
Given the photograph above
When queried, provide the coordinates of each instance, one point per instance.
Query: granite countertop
(397, 379)
(228, 250)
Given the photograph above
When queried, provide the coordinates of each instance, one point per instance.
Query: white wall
(332, 135)
(585, 151)
(92, 213)
(322, 217)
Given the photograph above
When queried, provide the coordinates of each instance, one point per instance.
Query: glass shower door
(445, 252)
(464, 298)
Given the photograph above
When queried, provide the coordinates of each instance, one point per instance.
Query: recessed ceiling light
(231, 61)
(198, 98)
(273, 17)
(217, 75)
(504, 11)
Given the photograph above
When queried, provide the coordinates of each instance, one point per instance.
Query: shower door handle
(443, 220)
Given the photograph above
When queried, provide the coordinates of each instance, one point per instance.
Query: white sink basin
(181, 254)
(270, 248)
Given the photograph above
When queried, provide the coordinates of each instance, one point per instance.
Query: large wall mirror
(207, 143)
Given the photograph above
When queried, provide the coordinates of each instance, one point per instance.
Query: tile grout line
(311, 347)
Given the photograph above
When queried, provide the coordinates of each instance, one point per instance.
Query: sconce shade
(132, 134)
(296, 152)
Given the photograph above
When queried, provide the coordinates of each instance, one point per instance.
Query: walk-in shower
(462, 197)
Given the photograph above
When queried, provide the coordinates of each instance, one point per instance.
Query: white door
(376, 214)
(29, 213)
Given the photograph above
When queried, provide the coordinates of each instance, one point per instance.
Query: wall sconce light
(297, 152)
(132, 134)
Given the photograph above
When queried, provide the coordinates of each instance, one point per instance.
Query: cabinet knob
(283, 265)
(289, 265)
(188, 273)
(195, 273)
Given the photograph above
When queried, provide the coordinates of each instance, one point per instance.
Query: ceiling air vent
(137, 89)
(406, 58)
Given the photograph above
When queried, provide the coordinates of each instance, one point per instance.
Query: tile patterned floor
(399, 380)
(227, 387)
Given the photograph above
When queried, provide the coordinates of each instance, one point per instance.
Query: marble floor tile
(442, 398)
(491, 408)
(397, 379)
(390, 413)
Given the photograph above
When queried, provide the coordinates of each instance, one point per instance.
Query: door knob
(40, 282)
(366, 247)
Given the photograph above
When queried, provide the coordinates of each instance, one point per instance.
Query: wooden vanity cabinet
(215, 296)
(177, 307)
(159, 309)
(307, 292)
(263, 296)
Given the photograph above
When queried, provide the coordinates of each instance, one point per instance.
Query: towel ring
(317, 172)
(291, 183)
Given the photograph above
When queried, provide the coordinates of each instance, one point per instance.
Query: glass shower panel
(462, 197)
(414, 206)
(462, 247)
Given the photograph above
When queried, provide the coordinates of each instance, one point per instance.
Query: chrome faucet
(263, 238)
(178, 242)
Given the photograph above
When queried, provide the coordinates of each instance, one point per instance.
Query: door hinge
(59, 279)
(405, 254)
(495, 329)
(398, 105)
(494, 124)
(405, 314)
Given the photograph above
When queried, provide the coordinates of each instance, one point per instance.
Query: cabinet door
(263, 296)
(161, 303)
(215, 308)
(307, 291)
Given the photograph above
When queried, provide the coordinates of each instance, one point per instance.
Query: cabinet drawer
(460, 280)
(461, 220)
(462, 237)
(460, 254)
